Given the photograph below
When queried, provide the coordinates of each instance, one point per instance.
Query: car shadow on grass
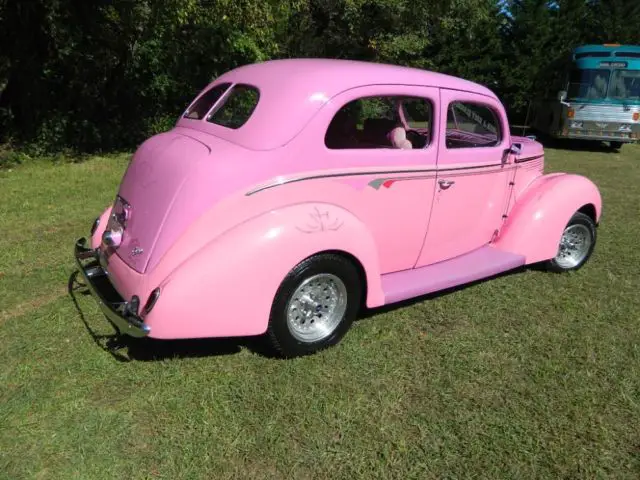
(126, 349)
(574, 145)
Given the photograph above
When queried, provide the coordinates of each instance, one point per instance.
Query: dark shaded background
(97, 75)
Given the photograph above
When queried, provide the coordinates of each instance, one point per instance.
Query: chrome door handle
(444, 184)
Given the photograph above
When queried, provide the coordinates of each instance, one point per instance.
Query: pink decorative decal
(378, 182)
(321, 222)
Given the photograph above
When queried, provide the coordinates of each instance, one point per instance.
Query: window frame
(199, 98)
(222, 102)
(431, 137)
(500, 134)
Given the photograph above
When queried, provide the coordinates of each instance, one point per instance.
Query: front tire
(315, 305)
(616, 145)
(576, 244)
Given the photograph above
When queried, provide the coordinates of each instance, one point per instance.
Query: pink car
(291, 193)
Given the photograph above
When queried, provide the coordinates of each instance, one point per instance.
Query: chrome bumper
(603, 137)
(123, 315)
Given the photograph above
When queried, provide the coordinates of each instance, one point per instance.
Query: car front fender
(227, 287)
(536, 222)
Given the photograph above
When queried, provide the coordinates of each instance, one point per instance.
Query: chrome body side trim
(363, 173)
(528, 159)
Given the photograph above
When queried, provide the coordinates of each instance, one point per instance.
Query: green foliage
(10, 157)
(105, 75)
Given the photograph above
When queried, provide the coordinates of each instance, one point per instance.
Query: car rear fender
(227, 287)
(96, 237)
(536, 222)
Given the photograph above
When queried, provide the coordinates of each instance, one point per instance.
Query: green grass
(532, 375)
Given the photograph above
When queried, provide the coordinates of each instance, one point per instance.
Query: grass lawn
(532, 375)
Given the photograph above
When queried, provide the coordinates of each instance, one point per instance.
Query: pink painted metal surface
(294, 90)
(478, 264)
(219, 215)
(537, 219)
(472, 187)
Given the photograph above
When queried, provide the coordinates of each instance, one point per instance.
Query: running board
(476, 265)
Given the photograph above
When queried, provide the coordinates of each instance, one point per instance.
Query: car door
(393, 187)
(472, 176)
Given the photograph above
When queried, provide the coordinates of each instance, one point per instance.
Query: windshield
(625, 85)
(602, 83)
(589, 83)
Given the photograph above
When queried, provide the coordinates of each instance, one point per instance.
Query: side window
(199, 109)
(472, 125)
(381, 122)
(237, 107)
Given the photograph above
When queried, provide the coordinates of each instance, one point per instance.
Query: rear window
(237, 107)
(199, 109)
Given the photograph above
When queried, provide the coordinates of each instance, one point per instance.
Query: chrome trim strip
(116, 312)
(378, 172)
(528, 159)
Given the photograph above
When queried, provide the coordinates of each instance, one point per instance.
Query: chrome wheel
(574, 246)
(316, 307)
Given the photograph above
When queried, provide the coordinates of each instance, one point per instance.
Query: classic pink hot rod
(291, 193)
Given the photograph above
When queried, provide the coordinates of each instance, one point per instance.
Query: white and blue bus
(599, 98)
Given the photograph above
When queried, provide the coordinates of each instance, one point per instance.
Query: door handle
(444, 184)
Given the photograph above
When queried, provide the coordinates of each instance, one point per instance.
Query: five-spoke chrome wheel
(316, 307)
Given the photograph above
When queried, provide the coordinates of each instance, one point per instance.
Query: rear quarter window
(236, 108)
(207, 100)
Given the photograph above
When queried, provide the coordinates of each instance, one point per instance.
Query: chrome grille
(605, 113)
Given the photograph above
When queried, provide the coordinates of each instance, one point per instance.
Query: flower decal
(321, 222)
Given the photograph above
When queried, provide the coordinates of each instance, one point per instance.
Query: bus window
(588, 83)
(625, 85)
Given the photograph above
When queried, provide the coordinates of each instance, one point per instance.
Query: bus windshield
(588, 83)
(625, 85)
(595, 84)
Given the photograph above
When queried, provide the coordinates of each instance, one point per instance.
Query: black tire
(280, 336)
(579, 218)
(616, 145)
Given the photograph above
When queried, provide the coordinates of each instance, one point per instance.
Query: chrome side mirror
(562, 98)
(514, 149)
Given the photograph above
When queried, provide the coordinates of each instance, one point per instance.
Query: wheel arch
(536, 222)
(589, 209)
(255, 257)
(355, 261)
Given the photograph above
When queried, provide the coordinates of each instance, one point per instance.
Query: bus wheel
(616, 145)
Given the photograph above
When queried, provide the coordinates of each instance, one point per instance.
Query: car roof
(309, 83)
(336, 75)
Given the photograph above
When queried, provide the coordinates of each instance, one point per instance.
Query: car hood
(529, 147)
(173, 178)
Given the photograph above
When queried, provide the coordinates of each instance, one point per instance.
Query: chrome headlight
(624, 128)
(575, 124)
